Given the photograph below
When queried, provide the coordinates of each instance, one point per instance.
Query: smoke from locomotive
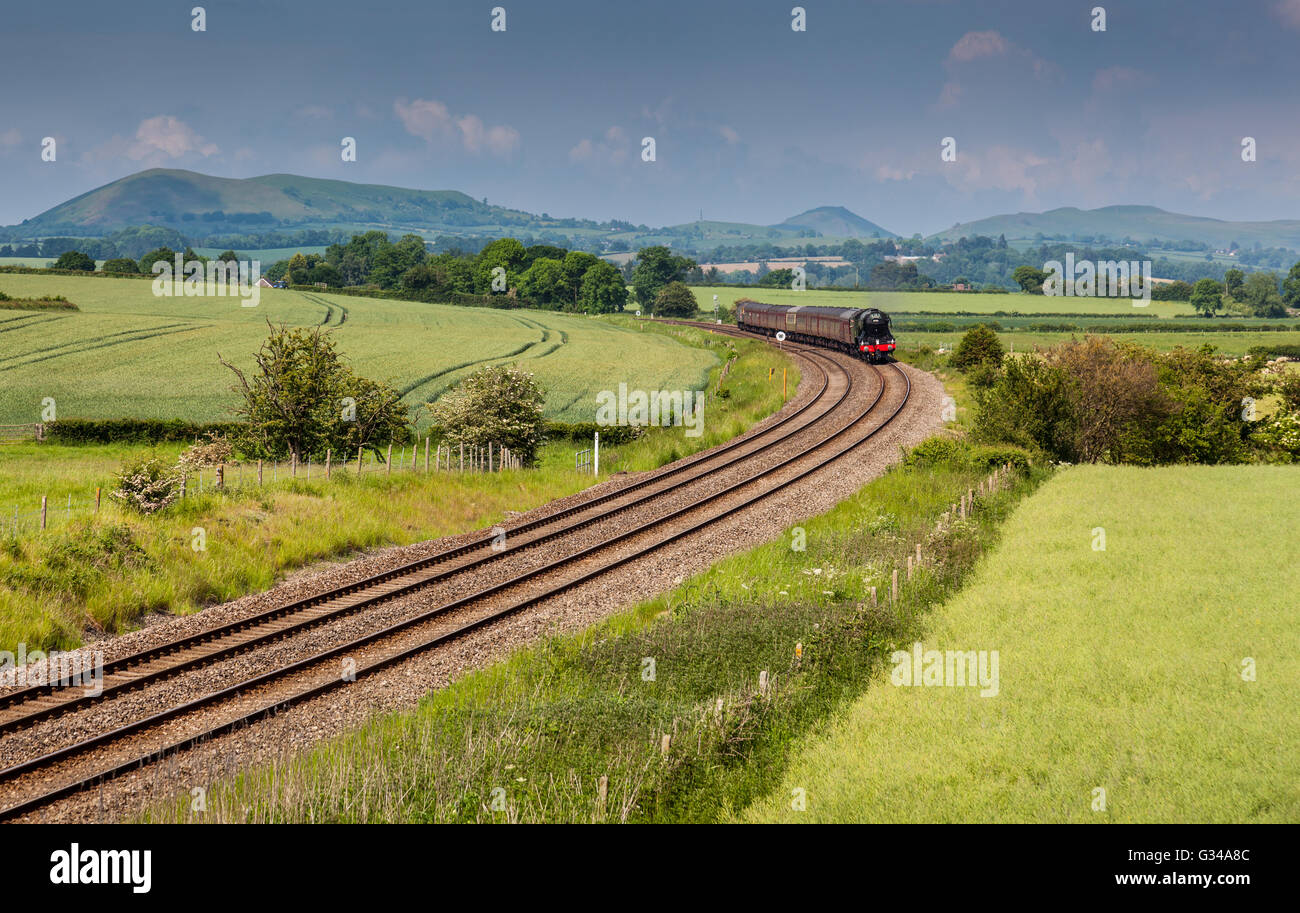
(859, 331)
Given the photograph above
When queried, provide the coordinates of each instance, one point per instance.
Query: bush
(75, 260)
(495, 405)
(123, 265)
(991, 457)
(583, 431)
(939, 452)
(675, 300)
(147, 486)
(133, 430)
(980, 346)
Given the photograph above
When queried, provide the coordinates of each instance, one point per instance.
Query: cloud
(889, 173)
(1289, 12)
(611, 149)
(166, 137)
(975, 45)
(729, 134)
(499, 140)
(1122, 78)
(982, 51)
(11, 137)
(432, 121)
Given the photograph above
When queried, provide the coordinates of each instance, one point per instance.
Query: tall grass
(530, 739)
(1124, 693)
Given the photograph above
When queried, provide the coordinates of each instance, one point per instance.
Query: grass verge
(531, 738)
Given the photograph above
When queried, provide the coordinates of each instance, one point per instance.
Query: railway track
(56, 774)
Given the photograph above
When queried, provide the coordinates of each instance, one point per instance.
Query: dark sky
(752, 120)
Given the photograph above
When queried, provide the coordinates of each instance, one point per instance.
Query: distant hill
(1140, 223)
(193, 203)
(836, 222)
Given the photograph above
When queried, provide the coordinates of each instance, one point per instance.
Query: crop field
(945, 302)
(1227, 343)
(1160, 669)
(128, 353)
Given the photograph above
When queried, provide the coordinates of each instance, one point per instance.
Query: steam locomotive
(858, 331)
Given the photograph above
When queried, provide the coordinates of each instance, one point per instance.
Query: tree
(228, 256)
(155, 256)
(1028, 405)
(1029, 278)
(603, 290)
(505, 253)
(121, 265)
(777, 278)
(675, 300)
(1233, 280)
(978, 347)
(1114, 393)
(498, 405)
(75, 259)
(655, 268)
(1260, 295)
(543, 282)
(303, 400)
(1207, 296)
(1291, 287)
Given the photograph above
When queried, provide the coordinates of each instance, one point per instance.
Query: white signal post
(595, 456)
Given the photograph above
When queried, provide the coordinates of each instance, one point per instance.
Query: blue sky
(752, 120)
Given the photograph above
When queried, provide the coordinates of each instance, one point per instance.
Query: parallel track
(404, 638)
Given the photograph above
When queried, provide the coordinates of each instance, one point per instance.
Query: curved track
(631, 523)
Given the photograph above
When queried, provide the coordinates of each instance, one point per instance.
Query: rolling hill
(190, 202)
(1141, 223)
(836, 222)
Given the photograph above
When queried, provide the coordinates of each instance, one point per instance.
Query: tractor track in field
(179, 699)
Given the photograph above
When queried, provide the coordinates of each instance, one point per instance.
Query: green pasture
(1152, 680)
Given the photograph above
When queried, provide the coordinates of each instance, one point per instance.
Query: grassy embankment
(529, 739)
(1121, 670)
(105, 572)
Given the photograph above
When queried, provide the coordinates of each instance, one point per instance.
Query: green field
(944, 302)
(128, 353)
(1227, 343)
(1120, 669)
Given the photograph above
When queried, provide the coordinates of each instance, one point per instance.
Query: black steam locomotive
(860, 331)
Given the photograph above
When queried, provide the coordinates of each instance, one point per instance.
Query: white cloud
(612, 149)
(974, 45)
(1289, 12)
(432, 121)
(889, 173)
(729, 134)
(11, 137)
(165, 137)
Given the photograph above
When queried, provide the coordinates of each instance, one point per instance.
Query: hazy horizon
(752, 121)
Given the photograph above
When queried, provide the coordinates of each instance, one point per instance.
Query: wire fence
(238, 476)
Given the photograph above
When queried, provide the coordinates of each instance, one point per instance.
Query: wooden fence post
(873, 597)
(462, 457)
(426, 454)
(388, 463)
(328, 454)
(43, 502)
(893, 588)
(359, 452)
(221, 475)
(259, 473)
